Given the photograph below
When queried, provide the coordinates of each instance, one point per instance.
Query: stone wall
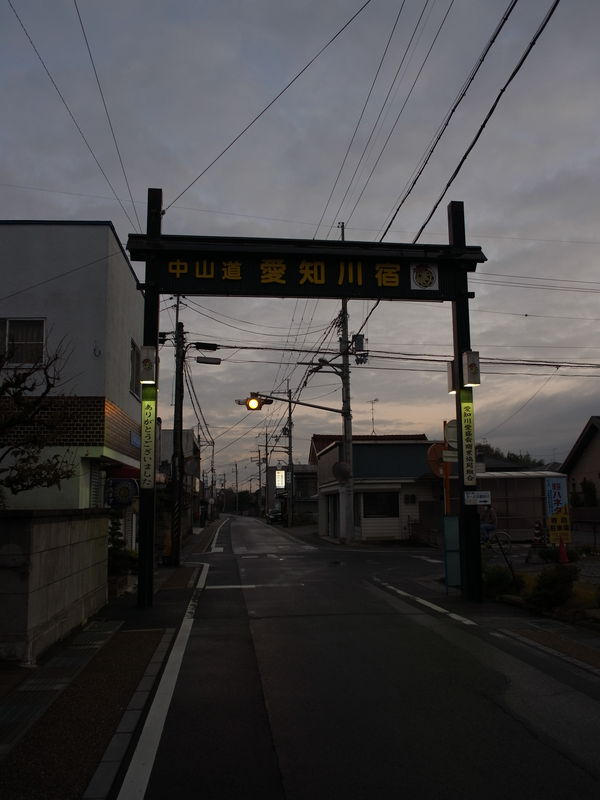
(53, 577)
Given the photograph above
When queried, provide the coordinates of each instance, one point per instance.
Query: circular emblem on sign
(423, 276)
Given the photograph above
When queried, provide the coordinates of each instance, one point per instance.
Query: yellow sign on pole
(147, 465)
(468, 438)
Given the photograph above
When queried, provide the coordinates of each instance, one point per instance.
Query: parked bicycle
(499, 542)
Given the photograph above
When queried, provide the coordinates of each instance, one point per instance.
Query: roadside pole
(290, 505)
(468, 518)
(177, 457)
(347, 485)
(147, 520)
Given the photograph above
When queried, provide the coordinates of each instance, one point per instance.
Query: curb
(107, 770)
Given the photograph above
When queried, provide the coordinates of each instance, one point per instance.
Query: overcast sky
(182, 79)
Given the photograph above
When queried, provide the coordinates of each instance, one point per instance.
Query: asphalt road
(310, 671)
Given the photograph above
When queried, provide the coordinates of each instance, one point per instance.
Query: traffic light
(255, 402)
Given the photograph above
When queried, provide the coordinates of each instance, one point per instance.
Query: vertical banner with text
(557, 510)
(148, 456)
(468, 437)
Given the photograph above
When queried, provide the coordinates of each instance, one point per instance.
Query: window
(410, 499)
(381, 504)
(134, 372)
(22, 340)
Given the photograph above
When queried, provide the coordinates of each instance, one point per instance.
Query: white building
(69, 286)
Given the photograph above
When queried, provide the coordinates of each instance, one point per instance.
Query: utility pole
(237, 491)
(468, 517)
(267, 505)
(258, 461)
(212, 480)
(177, 457)
(347, 486)
(224, 494)
(147, 521)
(290, 514)
(259, 485)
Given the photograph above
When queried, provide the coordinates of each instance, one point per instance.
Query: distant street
(316, 671)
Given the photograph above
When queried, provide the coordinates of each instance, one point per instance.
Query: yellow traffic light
(255, 402)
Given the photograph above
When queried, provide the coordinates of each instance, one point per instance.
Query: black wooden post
(468, 518)
(147, 521)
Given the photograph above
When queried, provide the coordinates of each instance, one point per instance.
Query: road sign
(435, 454)
(478, 498)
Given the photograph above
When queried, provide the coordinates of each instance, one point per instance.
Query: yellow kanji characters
(205, 269)
(312, 272)
(178, 267)
(272, 270)
(387, 274)
(350, 272)
(232, 271)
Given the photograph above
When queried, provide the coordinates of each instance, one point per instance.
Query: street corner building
(69, 298)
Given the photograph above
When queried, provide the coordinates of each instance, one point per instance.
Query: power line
(110, 125)
(307, 223)
(376, 123)
(64, 102)
(360, 118)
(408, 96)
(488, 116)
(441, 130)
(521, 407)
(268, 106)
(61, 275)
(523, 285)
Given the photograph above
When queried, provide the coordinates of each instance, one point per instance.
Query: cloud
(182, 79)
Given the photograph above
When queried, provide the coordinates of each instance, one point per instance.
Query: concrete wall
(53, 577)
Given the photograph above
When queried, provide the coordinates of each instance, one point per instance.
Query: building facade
(391, 483)
(69, 289)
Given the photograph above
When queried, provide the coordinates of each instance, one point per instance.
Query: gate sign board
(261, 267)
(253, 267)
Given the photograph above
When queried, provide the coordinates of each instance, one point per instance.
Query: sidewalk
(66, 725)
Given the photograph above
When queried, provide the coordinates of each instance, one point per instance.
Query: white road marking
(136, 779)
(253, 586)
(213, 547)
(426, 603)
(429, 560)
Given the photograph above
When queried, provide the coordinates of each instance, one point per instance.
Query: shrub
(497, 580)
(552, 554)
(584, 596)
(554, 586)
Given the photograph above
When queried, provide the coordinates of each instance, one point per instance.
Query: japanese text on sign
(264, 267)
(468, 436)
(281, 271)
(147, 465)
(557, 510)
